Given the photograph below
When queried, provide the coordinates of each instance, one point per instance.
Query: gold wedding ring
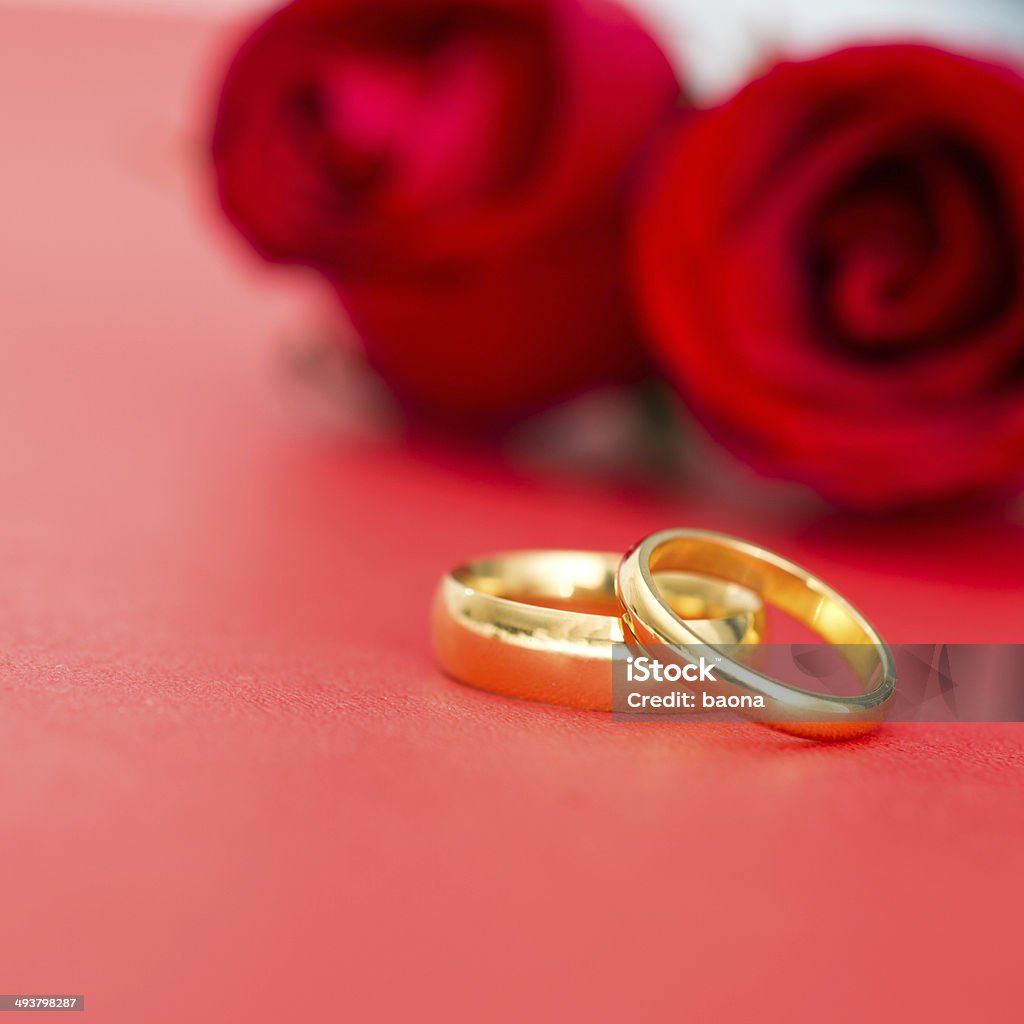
(542, 625)
(652, 621)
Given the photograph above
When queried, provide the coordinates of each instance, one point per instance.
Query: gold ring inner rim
(779, 582)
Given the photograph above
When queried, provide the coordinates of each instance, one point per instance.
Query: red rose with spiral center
(831, 265)
(459, 171)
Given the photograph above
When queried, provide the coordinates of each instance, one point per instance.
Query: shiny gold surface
(540, 625)
(650, 617)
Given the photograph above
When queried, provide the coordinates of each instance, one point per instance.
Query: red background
(232, 784)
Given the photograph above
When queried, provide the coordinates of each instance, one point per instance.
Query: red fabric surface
(232, 784)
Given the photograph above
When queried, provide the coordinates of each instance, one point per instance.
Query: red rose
(458, 170)
(832, 267)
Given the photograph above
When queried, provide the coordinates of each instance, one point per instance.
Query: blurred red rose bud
(458, 169)
(832, 268)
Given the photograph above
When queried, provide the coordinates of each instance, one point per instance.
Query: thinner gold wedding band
(542, 625)
(650, 618)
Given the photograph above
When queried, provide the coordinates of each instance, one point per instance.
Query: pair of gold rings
(543, 626)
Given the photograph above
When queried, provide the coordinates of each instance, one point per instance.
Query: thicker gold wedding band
(649, 616)
(541, 625)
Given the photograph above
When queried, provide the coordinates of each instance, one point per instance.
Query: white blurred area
(721, 41)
